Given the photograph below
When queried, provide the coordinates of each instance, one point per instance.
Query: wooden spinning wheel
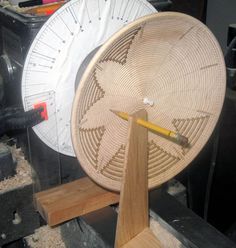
(169, 64)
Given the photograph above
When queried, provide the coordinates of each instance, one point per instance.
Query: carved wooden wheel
(169, 64)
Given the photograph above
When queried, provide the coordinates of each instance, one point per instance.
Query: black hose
(16, 118)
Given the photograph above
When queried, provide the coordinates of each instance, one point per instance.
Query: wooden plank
(133, 209)
(71, 200)
(144, 239)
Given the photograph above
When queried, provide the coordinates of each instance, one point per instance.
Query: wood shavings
(13, 6)
(46, 237)
(23, 172)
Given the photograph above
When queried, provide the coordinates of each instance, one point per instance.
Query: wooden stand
(133, 218)
(83, 196)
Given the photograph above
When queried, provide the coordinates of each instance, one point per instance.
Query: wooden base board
(144, 239)
(71, 200)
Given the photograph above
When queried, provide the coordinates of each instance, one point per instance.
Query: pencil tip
(114, 111)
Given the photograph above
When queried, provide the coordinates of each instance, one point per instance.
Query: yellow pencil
(178, 138)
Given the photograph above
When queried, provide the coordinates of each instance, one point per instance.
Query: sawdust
(46, 237)
(23, 172)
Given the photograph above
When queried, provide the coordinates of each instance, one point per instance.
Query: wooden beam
(72, 199)
(133, 208)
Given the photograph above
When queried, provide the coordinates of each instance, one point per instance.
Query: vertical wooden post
(133, 208)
